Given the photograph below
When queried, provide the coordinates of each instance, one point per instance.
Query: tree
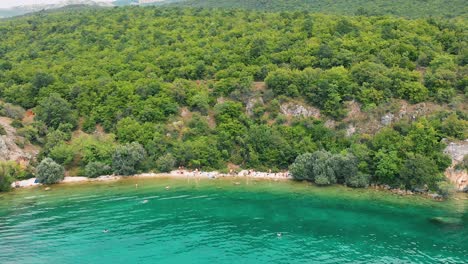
(419, 171)
(345, 167)
(49, 172)
(54, 110)
(388, 166)
(128, 158)
(96, 168)
(9, 170)
(359, 180)
(165, 163)
(41, 80)
(301, 169)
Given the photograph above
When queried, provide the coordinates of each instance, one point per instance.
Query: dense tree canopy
(406, 8)
(164, 87)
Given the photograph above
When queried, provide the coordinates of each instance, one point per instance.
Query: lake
(227, 221)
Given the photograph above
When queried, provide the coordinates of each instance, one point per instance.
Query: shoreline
(184, 174)
(181, 174)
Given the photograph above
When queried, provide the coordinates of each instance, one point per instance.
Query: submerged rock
(446, 221)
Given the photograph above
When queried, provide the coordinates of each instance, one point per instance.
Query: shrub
(62, 153)
(462, 165)
(49, 171)
(9, 170)
(13, 111)
(17, 123)
(54, 110)
(165, 163)
(2, 130)
(358, 180)
(301, 169)
(127, 158)
(445, 189)
(323, 168)
(95, 169)
(30, 133)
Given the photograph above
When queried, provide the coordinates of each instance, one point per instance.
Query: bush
(359, 180)
(54, 111)
(13, 111)
(462, 165)
(62, 153)
(17, 123)
(2, 131)
(445, 189)
(323, 168)
(96, 169)
(49, 172)
(30, 133)
(165, 163)
(301, 169)
(9, 170)
(127, 158)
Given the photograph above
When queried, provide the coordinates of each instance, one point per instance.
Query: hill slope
(404, 8)
(214, 88)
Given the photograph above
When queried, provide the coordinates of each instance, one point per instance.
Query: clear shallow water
(217, 221)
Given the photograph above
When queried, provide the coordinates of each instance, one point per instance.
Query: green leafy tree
(419, 171)
(302, 167)
(9, 171)
(127, 159)
(49, 172)
(96, 168)
(165, 163)
(54, 110)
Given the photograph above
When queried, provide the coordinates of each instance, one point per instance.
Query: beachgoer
(105, 230)
(279, 234)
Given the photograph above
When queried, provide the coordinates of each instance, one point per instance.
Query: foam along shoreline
(175, 173)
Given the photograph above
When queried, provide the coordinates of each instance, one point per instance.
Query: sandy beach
(175, 173)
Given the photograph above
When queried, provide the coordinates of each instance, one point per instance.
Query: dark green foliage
(49, 172)
(426, 8)
(17, 123)
(96, 168)
(178, 82)
(54, 110)
(165, 163)
(9, 171)
(302, 167)
(324, 168)
(128, 158)
(419, 171)
(359, 180)
(2, 131)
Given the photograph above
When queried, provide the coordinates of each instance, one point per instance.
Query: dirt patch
(29, 117)
(258, 86)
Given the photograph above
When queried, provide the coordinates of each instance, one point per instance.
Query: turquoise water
(219, 221)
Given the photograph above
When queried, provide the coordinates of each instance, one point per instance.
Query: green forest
(402, 8)
(134, 89)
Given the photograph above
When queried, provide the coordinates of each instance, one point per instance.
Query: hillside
(136, 89)
(403, 8)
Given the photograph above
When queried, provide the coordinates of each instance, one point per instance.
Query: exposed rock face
(296, 110)
(251, 104)
(387, 119)
(457, 150)
(350, 130)
(9, 150)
